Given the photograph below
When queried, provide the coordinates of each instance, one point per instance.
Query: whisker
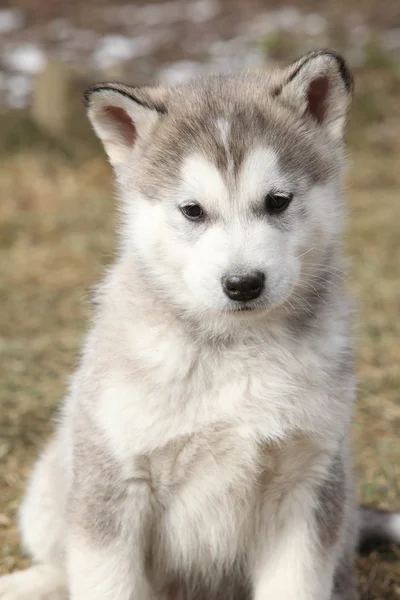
(300, 299)
(325, 267)
(314, 274)
(326, 282)
(304, 253)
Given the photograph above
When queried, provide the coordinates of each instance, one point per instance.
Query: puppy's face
(229, 185)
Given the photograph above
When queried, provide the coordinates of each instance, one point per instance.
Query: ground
(57, 219)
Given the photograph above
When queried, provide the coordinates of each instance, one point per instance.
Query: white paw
(37, 583)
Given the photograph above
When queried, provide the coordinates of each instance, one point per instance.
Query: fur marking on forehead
(259, 173)
(201, 179)
(224, 127)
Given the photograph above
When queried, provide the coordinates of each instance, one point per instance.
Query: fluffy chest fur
(209, 492)
(215, 431)
(268, 385)
(205, 490)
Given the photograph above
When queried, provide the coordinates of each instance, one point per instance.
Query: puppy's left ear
(122, 116)
(319, 86)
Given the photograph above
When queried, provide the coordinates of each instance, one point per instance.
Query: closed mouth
(246, 308)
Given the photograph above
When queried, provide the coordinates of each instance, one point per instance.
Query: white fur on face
(237, 239)
(188, 260)
(203, 182)
(259, 174)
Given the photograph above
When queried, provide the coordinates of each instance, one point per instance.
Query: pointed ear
(122, 115)
(319, 86)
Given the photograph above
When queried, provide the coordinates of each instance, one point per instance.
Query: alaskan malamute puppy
(202, 450)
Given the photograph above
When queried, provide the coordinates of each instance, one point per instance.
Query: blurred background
(57, 213)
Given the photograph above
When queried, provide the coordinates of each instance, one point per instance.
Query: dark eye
(193, 211)
(277, 202)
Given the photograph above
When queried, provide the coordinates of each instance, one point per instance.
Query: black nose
(243, 287)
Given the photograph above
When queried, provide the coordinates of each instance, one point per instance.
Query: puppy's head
(229, 184)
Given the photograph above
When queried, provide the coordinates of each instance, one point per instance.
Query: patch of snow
(10, 20)
(117, 48)
(25, 58)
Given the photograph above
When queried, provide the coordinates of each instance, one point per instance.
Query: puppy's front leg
(298, 548)
(105, 572)
(295, 567)
(107, 545)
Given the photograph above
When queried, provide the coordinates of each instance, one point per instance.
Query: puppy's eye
(277, 202)
(193, 211)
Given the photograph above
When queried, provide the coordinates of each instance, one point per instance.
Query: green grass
(56, 233)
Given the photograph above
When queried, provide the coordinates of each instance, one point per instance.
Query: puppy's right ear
(318, 86)
(121, 115)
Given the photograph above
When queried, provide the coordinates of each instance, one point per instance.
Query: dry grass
(56, 232)
(56, 224)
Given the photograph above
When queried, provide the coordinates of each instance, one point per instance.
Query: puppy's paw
(41, 582)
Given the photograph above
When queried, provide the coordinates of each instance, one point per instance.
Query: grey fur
(254, 119)
(331, 503)
(345, 587)
(100, 491)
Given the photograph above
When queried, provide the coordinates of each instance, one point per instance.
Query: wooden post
(57, 99)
